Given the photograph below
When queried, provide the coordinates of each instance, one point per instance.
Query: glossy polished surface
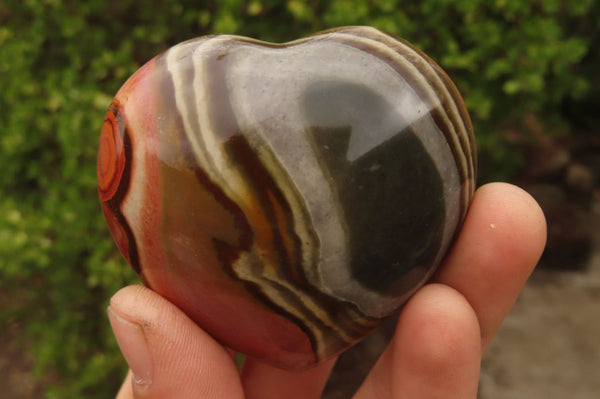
(287, 197)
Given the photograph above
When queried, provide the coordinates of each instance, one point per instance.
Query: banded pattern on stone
(287, 197)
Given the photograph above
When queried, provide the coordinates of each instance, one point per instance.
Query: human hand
(436, 351)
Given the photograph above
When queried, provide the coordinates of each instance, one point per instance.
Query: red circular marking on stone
(111, 157)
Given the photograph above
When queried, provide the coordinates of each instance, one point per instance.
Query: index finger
(500, 243)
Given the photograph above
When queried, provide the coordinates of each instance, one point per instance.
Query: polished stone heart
(287, 197)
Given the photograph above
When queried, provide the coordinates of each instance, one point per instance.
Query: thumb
(169, 355)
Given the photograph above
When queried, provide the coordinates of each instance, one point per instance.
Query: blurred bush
(62, 60)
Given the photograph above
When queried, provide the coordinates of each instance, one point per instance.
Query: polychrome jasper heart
(287, 197)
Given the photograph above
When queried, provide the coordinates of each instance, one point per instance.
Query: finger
(500, 243)
(262, 381)
(169, 355)
(435, 353)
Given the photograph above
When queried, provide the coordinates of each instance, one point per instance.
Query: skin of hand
(436, 351)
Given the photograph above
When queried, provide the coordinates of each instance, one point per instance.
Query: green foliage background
(62, 60)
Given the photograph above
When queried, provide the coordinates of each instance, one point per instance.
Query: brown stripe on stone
(167, 89)
(288, 265)
(468, 140)
(244, 157)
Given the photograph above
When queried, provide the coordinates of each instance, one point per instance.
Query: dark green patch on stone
(391, 196)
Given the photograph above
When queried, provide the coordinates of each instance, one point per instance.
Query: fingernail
(132, 341)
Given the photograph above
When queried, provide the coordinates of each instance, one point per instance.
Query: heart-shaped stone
(287, 197)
